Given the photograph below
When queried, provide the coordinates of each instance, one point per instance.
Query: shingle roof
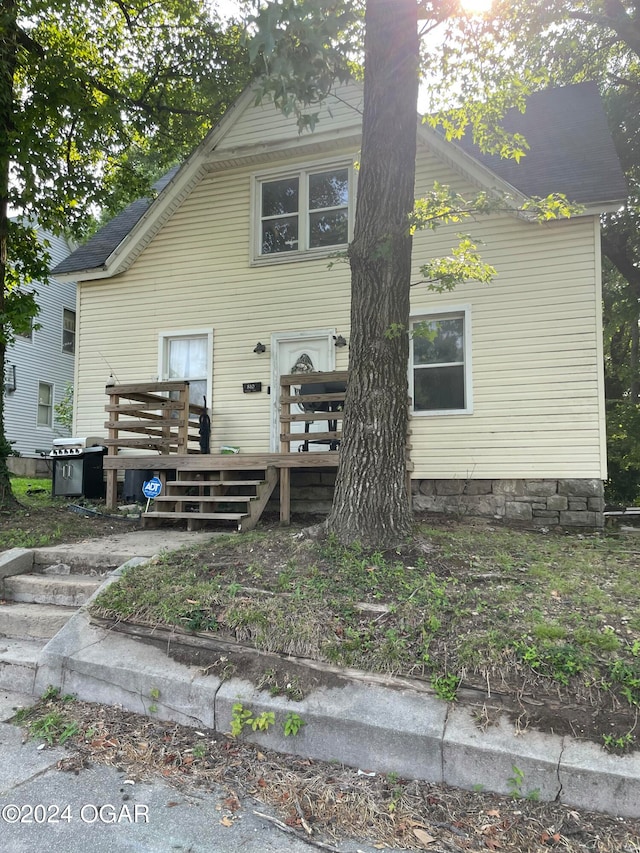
(571, 152)
(570, 147)
(94, 253)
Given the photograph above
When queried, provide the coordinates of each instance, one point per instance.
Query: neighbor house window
(45, 404)
(440, 370)
(188, 356)
(68, 331)
(304, 211)
(27, 334)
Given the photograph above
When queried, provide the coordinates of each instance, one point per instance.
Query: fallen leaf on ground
(232, 803)
(423, 837)
(226, 821)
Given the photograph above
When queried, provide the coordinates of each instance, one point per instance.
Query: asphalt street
(100, 809)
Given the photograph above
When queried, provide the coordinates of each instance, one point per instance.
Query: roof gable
(571, 152)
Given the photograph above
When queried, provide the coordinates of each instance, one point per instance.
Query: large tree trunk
(8, 38)
(620, 254)
(371, 504)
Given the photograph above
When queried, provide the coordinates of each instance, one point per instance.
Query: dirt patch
(37, 526)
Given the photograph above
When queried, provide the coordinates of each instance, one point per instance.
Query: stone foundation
(311, 492)
(536, 503)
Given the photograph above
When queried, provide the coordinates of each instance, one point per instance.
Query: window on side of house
(27, 336)
(45, 404)
(187, 357)
(440, 368)
(68, 330)
(304, 211)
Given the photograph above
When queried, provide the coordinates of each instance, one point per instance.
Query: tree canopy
(566, 41)
(96, 99)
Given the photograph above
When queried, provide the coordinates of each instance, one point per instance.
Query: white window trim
(427, 313)
(172, 334)
(75, 331)
(255, 257)
(51, 407)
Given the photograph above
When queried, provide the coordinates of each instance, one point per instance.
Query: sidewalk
(367, 726)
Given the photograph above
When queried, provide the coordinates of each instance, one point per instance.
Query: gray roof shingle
(95, 252)
(570, 147)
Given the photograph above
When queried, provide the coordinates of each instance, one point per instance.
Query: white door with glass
(188, 356)
(298, 352)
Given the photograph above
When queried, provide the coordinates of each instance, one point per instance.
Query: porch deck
(158, 420)
(213, 476)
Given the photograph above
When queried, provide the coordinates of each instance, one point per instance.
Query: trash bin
(133, 482)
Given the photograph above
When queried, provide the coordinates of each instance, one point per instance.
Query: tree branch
(125, 13)
(623, 262)
(620, 22)
(141, 103)
(30, 45)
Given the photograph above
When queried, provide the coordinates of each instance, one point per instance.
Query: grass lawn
(42, 520)
(547, 623)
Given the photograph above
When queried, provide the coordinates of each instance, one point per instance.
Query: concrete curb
(374, 728)
(16, 561)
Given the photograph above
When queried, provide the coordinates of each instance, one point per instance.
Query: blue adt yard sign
(152, 488)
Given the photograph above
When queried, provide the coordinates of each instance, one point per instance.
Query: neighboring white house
(508, 398)
(41, 366)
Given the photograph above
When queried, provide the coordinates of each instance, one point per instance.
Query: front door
(298, 352)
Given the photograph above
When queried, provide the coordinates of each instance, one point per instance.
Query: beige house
(228, 278)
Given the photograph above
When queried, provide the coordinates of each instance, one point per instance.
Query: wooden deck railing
(145, 410)
(311, 408)
(142, 416)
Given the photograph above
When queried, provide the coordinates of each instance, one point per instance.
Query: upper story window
(68, 330)
(441, 363)
(304, 211)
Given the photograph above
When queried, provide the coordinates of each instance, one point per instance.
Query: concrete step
(32, 621)
(18, 660)
(66, 590)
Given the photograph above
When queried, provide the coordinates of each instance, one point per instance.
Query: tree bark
(621, 257)
(371, 504)
(8, 50)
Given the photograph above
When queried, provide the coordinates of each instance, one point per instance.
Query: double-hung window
(440, 368)
(68, 330)
(45, 404)
(303, 211)
(188, 356)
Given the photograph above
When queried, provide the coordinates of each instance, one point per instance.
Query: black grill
(78, 468)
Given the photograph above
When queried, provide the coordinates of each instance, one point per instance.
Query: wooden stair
(214, 495)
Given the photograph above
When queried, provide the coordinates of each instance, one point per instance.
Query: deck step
(198, 516)
(18, 663)
(33, 621)
(214, 482)
(205, 499)
(71, 590)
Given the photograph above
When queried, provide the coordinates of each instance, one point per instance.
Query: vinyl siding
(41, 359)
(536, 350)
(261, 125)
